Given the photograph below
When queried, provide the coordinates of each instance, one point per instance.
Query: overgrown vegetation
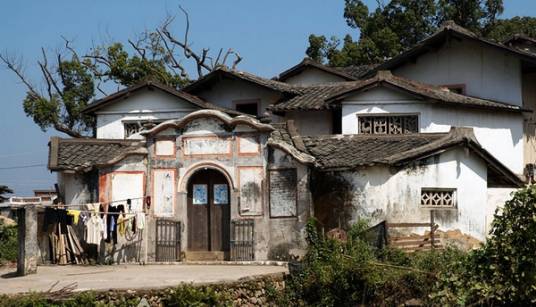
(502, 272)
(336, 273)
(181, 296)
(8, 243)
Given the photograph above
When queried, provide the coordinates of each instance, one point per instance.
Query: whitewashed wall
(486, 72)
(312, 122)
(378, 194)
(501, 133)
(311, 76)
(153, 105)
(74, 188)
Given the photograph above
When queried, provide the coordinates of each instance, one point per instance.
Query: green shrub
(335, 273)
(8, 243)
(503, 271)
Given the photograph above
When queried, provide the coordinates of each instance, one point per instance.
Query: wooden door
(208, 212)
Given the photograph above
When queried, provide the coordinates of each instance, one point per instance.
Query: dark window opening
(456, 88)
(248, 108)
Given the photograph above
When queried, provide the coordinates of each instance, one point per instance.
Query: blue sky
(270, 35)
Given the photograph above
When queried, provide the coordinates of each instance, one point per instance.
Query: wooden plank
(403, 238)
(410, 243)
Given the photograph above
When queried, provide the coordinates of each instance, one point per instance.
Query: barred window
(388, 124)
(438, 198)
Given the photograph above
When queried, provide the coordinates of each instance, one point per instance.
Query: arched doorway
(209, 212)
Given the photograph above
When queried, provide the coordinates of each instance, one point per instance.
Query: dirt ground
(127, 276)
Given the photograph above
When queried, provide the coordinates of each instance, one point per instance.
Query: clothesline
(102, 203)
(92, 211)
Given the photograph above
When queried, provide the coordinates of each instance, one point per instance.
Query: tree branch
(11, 64)
(188, 52)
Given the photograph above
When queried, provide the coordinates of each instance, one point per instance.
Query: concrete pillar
(27, 237)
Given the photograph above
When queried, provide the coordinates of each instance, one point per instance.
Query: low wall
(254, 291)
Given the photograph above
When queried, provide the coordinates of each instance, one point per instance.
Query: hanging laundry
(121, 225)
(93, 234)
(111, 223)
(75, 215)
(140, 220)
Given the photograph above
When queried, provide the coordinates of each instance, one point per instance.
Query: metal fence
(168, 240)
(242, 240)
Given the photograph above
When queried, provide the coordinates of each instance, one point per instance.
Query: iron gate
(242, 240)
(168, 240)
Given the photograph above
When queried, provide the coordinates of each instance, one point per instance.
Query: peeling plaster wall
(490, 127)
(381, 194)
(311, 76)
(485, 71)
(287, 234)
(144, 105)
(273, 237)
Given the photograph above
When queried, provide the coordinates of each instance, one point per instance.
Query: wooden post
(432, 228)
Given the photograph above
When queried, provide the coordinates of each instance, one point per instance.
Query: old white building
(440, 134)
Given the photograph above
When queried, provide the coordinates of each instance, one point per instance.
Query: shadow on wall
(332, 200)
(281, 252)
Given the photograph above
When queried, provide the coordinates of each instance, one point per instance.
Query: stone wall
(254, 291)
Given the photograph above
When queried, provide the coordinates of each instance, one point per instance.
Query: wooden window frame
(295, 216)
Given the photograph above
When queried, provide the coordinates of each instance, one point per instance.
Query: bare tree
(69, 81)
(203, 61)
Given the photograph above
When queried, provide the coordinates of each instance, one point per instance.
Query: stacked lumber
(65, 247)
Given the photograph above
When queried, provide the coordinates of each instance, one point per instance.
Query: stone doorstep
(204, 256)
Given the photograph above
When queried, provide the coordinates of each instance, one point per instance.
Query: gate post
(27, 239)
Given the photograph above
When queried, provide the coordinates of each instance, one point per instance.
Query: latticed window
(135, 127)
(438, 198)
(388, 124)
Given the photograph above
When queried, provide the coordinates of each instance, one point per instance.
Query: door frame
(226, 220)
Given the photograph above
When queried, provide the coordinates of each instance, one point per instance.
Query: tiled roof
(196, 101)
(351, 151)
(447, 30)
(324, 96)
(216, 75)
(313, 97)
(348, 152)
(307, 62)
(358, 71)
(84, 154)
